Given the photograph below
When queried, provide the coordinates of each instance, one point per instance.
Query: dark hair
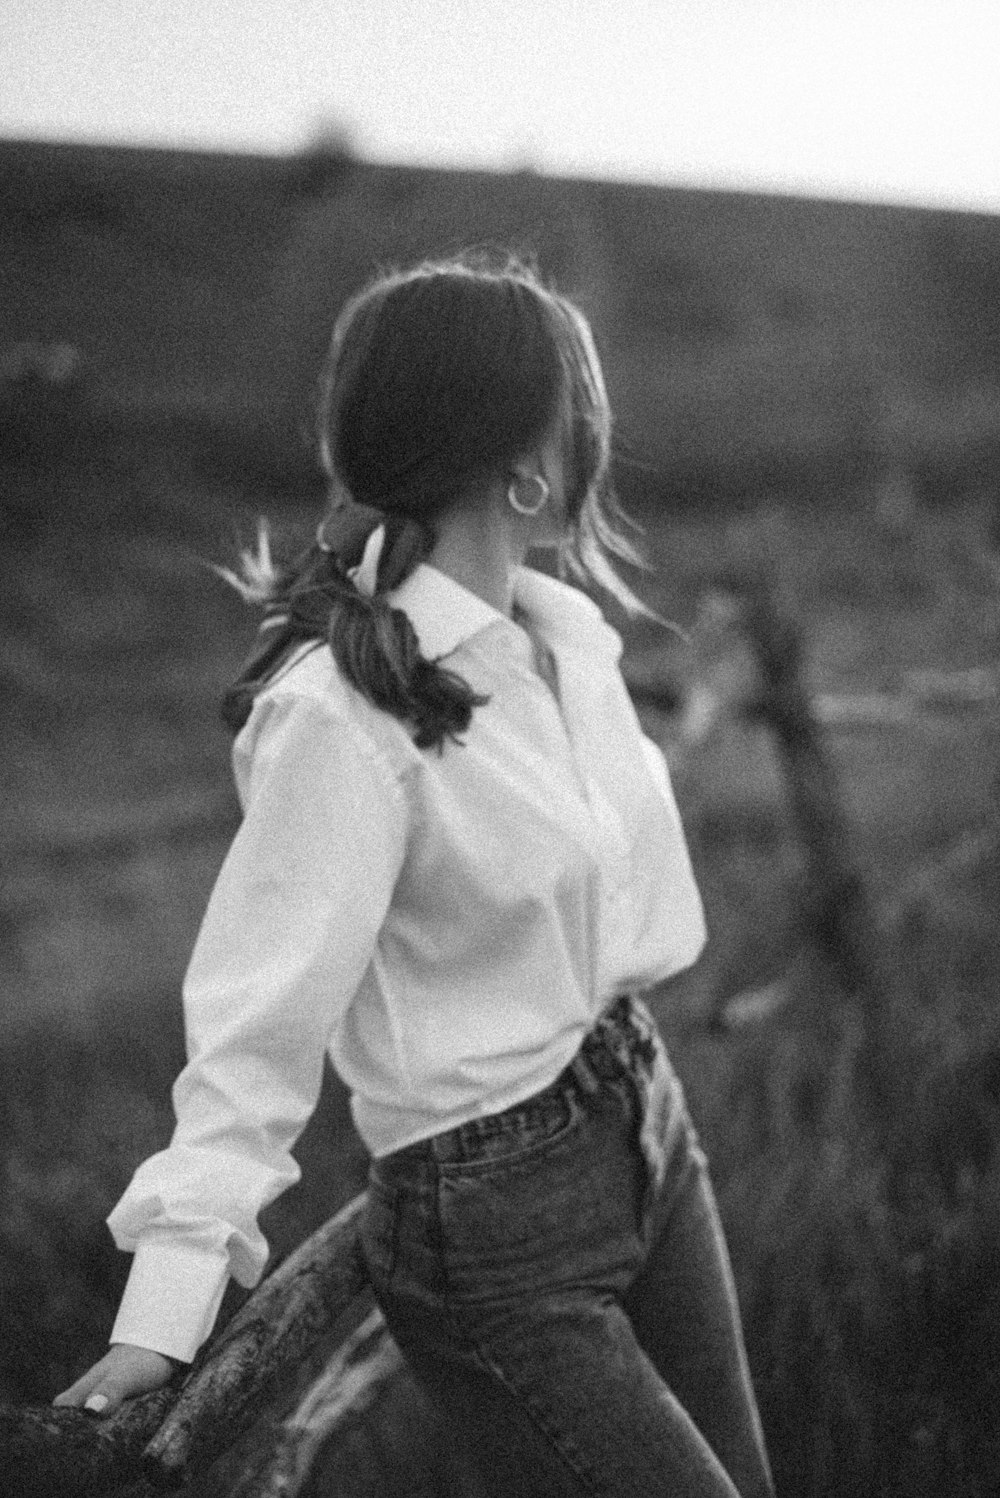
(437, 380)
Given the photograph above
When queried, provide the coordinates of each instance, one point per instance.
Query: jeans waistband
(620, 1042)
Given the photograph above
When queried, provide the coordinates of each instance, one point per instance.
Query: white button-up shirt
(446, 925)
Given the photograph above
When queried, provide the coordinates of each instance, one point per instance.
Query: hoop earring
(529, 510)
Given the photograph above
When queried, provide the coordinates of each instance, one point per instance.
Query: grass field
(866, 1239)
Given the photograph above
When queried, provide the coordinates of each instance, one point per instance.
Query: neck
(477, 548)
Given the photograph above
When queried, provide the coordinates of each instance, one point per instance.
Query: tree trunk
(840, 920)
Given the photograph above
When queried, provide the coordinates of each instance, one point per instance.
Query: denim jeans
(557, 1279)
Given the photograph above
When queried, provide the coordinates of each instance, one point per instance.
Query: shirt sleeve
(671, 917)
(657, 766)
(290, 927)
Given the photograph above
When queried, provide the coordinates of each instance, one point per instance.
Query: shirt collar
(444, 614)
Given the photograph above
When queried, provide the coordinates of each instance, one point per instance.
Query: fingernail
(97, 1403)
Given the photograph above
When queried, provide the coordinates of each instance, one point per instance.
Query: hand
(123, 1372)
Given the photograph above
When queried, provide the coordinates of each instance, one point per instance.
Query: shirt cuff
(171, 1299)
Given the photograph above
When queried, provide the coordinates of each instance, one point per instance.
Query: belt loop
(584, 1073)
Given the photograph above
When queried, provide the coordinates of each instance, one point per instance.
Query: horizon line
(804, 190)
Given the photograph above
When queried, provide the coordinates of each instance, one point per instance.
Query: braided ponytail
(317, 599)
(377, 649)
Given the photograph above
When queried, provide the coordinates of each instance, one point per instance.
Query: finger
(106, 1397)
(97, 1402)
(118, 1376)
(94, 1393)
(76, 1393)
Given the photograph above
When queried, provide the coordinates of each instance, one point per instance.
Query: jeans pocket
(534, 1221)
(500, 1143)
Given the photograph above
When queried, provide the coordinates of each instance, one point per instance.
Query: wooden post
(838, 912)
(363, 1365)
(54, 1450)
(839, 918)
(292, 1310)
(168, 1436)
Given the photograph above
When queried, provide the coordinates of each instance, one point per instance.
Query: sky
(875, 100)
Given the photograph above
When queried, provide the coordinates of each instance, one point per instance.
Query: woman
(459, 864)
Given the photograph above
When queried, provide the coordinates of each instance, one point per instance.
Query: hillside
(759, 349)
(741, 332)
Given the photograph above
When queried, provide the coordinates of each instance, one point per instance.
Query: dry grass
(865, 1239)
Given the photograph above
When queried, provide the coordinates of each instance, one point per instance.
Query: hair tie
(345, 531)
(365, 575)
(377, 549)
